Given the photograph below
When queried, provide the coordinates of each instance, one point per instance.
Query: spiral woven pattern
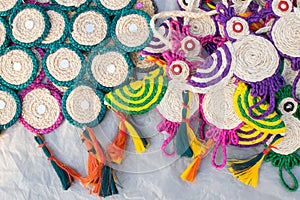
(41, 112)
(18, 67)
(277, 6)
(285, 34)
(171, 107)
(114, 4)
(148, 6)
(218, 109)
(83, 105)
(30, 25)
(202, 27)
(237, 28)
(6, 5)
(58, 26)
(257, 59)
(110, 69)
(63, 65)
(89, 28)
(9, 110)
(71, 3)
(185, 70)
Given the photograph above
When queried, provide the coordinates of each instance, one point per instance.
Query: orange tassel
(190, 173)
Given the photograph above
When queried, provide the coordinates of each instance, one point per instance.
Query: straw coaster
(179, 70)
(113, 7)
(8, 6)
(147, 6)
(282, 7)
(109, 68)
(83, 106)
(58, 31)
(256, 58)
(215, 72)
(218, 109)
(18, 67)
(203, 26)
(63, 64)
(29, 25)
(141, 64)
(131, 30)
(89, 28)
(10, 107)
(71, 4)
(171, 107)
(236, 28)
(285, 35)
(4, 32)
(41, 112)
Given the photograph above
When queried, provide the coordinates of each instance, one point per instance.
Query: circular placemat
(18, 68)
(203, 26)
(171, 106)
(256, 58)
(285, 34)
(109, 67)
(83, 106)
(237, 28)
(4, 32)
(282, 7)
(89, 27)
(113, 7)
(41, 111)
(8, 6)
(218, 109)
(71, 4)
(62, 64)
(29, 25)
(131, 30)
(10, 107)
(179, 70)
(59, 27)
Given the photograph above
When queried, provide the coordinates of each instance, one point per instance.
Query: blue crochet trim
(114, 12)
(70, 119)
(70, 8)
(49, 75)
(8, 12)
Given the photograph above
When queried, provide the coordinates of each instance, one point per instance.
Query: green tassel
(108, 185)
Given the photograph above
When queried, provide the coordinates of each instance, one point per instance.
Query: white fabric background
(25, 172)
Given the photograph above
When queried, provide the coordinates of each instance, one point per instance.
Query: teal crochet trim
(102, 50)
(65, 33)
(89, 47)
(18, 109)
(114, 36)
(8, 12)
(70, 119)
(69, 8)
(114, 12)
(46, 20)
(49, 75)
(35, 68)
(6, 40)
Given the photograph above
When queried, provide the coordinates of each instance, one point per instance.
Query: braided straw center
(218, 108)
(256, 58)
(40, 109)
(57, 27)
(28, 25)
(285, 34)
(2, 33)
(171, 107)
(115, 4)
(132, 30)
(109, 69)
(64, 64)
(75, 3)
(7, 4)
(16, 67)
(89, 28)
(8, 107)
(83, 104)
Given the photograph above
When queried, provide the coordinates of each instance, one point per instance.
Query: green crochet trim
(287, 163)
(49, 75)
(46, 20)
(6, 40)
(8, 12)
(70, 119)
(114, 36)
(65, 33)
(114, 12)
(70, 8)
(18, 109)
(88, 47)
(34, 70)
(102, 50)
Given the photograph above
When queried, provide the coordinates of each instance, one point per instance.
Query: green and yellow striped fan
(141, 96)
(254, 131)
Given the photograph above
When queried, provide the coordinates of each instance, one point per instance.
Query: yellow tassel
(190, 172)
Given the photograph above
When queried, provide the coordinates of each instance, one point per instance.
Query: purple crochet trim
(59, 119)
(224, 13)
